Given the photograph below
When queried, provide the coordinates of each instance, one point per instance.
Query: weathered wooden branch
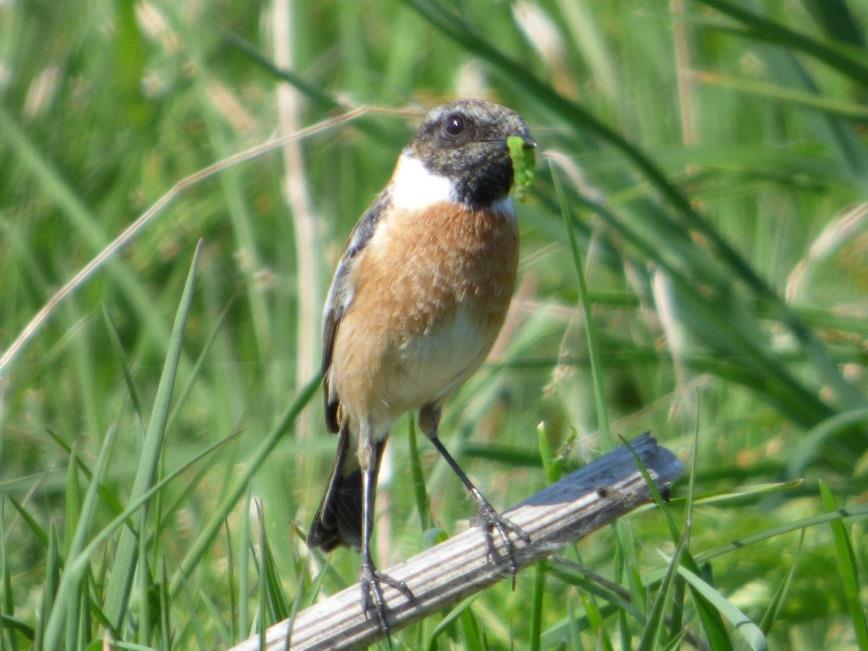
(577, 505)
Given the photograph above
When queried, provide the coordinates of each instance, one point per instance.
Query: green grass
(693, 255)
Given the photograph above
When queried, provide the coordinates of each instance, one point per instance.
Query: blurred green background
(713, 161)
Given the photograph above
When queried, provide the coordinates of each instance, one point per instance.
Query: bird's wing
(340, 297)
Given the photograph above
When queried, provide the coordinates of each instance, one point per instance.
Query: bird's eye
(454, 124)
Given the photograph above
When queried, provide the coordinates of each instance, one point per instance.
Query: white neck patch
(505, 207)
(414, 187)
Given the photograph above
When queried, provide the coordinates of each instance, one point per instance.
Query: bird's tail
(338, 520)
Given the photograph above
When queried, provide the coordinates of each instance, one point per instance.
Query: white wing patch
(414, 187)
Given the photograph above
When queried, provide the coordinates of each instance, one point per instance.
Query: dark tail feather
(338, 520)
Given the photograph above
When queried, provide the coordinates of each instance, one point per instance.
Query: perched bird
(415, 305)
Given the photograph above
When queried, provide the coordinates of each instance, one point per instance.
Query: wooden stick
(577, 505)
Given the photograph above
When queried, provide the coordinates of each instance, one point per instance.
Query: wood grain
(582, 502)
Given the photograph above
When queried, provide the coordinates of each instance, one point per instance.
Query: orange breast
(430, 292)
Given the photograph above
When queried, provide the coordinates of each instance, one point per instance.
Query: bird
(416, 302)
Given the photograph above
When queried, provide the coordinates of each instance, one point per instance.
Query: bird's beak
(529, 143)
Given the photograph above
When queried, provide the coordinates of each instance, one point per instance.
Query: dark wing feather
(338, 520)
(341, 295)
(329, 328)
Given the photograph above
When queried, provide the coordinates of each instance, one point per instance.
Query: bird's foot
(491, 520)
(373, 603)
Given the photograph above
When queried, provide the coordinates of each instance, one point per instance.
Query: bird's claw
(373, 602)
(491, 520)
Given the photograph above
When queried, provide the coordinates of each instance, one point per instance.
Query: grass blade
(596, 622)
(165, 614)
(836, 20)
(85, 222)
(7, 605)
(107, 496)
(456, 28)
(69, 581)
(539, 588)
(749, 631)
(115, 339)
(802, 523)
(118, 592)
(31, 522)
(576, 574)
(11, 624)
(769, 30)
(847, 568)
(212, 528)
(590, 328)
(654, 624)
(49, 591)
(812, 442)
(77, 563)
(708, 614)
(244, 566)
(71, 501)
(419, 492)
(270, 573)
(230, 586)
(780, 596)
(831, 105)
(145, 585)
(448, 620)
(471, 637)
(553, 467)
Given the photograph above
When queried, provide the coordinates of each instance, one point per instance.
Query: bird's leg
(490, 519)
(371, 580)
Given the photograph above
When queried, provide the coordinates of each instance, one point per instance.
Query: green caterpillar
(523, 163)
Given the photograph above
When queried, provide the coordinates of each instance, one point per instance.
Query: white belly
(438, 363)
